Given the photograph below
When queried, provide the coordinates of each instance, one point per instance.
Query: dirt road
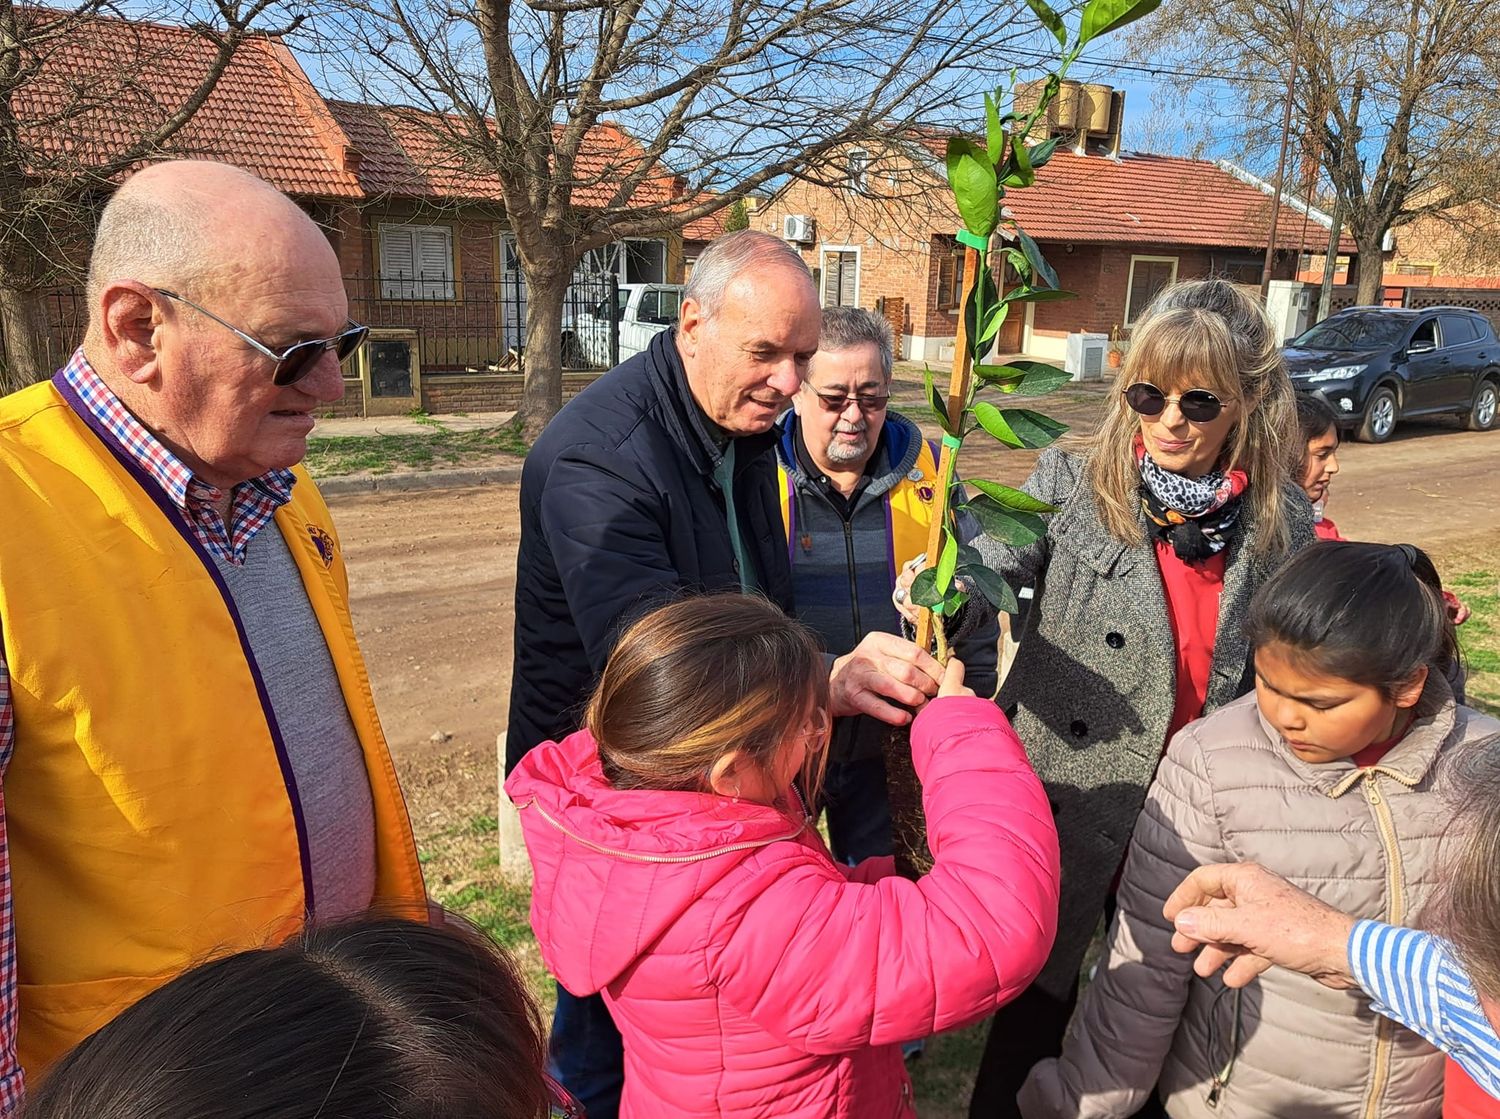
(433, 576)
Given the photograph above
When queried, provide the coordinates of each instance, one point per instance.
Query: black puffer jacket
(619, 511)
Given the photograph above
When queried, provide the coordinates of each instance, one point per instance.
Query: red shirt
(1326, 530)
(1193, 593)
(1462, 1098)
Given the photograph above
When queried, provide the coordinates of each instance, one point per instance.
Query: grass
(1480, 636)
(328, 456)
(463, 872)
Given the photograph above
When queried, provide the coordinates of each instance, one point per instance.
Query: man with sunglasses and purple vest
(858, 485)
(192, 762)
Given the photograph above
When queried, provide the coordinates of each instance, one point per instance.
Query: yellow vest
(148, 804)
(908, 504)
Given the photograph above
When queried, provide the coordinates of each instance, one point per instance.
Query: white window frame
(416, 288)
(1130, 281)
(859, 266)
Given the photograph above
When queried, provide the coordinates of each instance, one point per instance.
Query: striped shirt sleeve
(1411, 976)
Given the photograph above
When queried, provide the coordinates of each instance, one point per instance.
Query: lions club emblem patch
(925, 493)
(323, 542)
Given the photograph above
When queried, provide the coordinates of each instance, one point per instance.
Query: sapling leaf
(1039, 265)
(995, 589)
(935, 402)
(1039, 378)
(1033, 429)
(1036, 295)
(924, 590)
(1011, 498)
(1008, 526)
(971, 174)
(1041, 153)
(1103, 16)
(1020, 160)
(947, 561)
(1050, 20)
(994, 130)
(993, 421)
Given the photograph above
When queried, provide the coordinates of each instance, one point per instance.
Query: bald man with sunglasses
(191, 758)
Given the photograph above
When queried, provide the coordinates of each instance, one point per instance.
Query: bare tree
(1393, 97)
(722, 97)
(85, 95)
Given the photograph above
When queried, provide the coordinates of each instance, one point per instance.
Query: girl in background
(1318, 435)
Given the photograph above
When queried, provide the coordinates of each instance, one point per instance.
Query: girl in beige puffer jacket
(1329, 775)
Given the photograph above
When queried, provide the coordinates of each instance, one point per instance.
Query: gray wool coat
(1093, 685)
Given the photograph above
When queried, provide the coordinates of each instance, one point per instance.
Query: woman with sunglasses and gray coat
(1169, 518)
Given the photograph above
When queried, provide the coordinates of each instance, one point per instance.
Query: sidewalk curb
(408, 481)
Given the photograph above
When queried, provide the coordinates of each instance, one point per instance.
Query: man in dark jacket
(660, 478)
(858, 486)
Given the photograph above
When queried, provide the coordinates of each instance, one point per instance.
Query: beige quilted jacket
(1286, 1047)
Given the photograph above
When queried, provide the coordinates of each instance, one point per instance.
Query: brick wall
(492, 392)
(890, 224)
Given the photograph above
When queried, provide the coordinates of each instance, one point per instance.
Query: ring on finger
(900, 594)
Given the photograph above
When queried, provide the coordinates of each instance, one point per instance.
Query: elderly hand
(1243, 916)
(882, 668)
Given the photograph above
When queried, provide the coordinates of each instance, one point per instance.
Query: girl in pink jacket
(680, 873)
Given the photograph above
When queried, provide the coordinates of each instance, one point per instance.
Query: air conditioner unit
(1084, 356)
(798, 227)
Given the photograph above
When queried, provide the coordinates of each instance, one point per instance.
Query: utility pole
(1286, 131)
(1325, 296)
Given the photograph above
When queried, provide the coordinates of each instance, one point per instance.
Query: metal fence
(1484, 300)
(478, 324)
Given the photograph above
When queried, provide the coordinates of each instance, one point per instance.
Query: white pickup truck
(645, 310)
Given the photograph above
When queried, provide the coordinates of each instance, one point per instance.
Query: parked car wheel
(1381, 414)
(1486, 402)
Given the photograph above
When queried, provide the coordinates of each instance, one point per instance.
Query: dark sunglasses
(297, 361)
(868, 402)
(1198, 405)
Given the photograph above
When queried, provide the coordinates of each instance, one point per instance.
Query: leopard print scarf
(1193, 515)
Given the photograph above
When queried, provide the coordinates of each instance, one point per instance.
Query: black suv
(1378, 365)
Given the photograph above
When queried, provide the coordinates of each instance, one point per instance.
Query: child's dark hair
(1314, 417)
(377, 1017)
(1370, 613)
(692, 681)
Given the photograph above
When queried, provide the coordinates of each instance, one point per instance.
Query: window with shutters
(416, 262)
(948, 254)
(1148, 275)
(840, 274)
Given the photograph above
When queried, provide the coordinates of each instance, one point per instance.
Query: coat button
(1079, 728)
(1115, 640)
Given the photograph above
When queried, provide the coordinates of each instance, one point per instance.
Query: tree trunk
(541, 391)
(23, 321)
(1367, 291)
(908, 824)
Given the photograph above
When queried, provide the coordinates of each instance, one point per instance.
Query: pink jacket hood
(589, 898)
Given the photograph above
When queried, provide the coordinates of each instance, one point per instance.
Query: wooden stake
(958, 393)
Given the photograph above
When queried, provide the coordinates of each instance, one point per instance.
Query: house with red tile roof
(1116, 226)
(421, 231)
